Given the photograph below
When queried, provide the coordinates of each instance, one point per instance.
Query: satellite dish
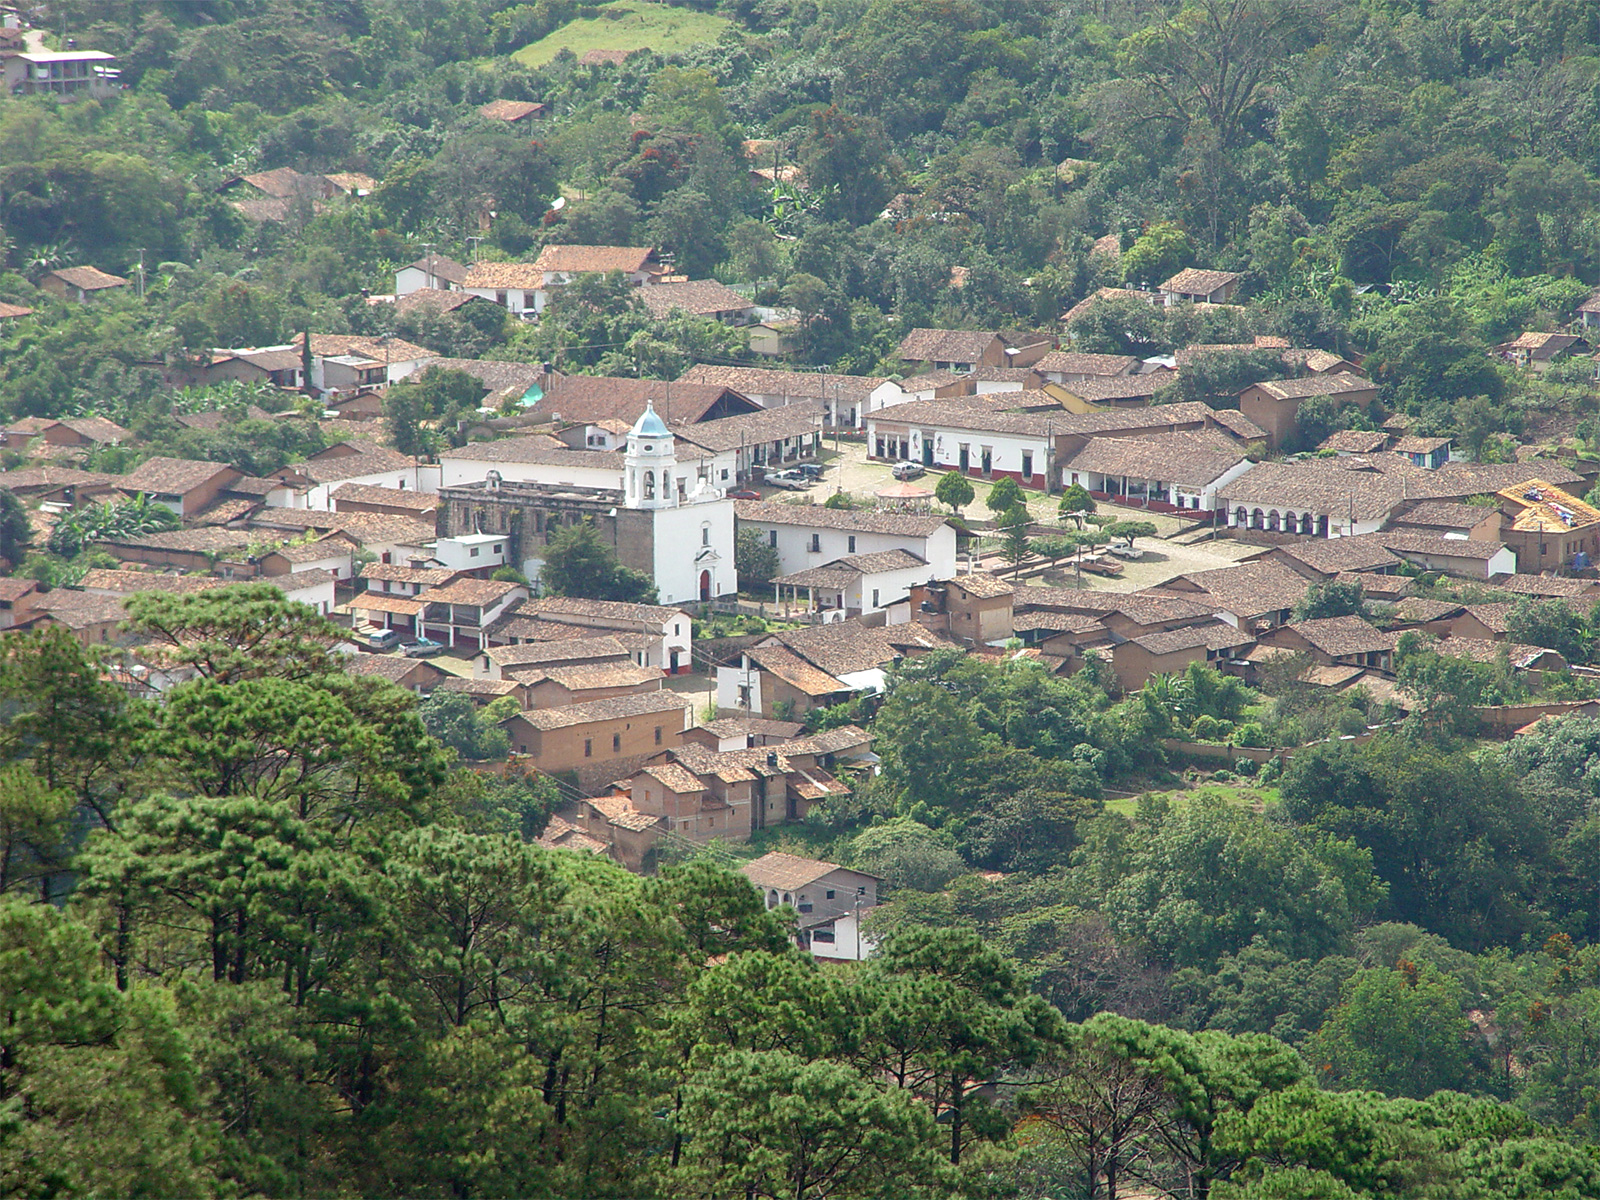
(560, 203)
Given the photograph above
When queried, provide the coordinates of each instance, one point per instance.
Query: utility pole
(141, 274)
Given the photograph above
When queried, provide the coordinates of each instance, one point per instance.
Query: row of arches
(1273, 520)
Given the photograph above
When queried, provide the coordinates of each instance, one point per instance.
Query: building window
(588, 747)
(472, 553)
(616, 742)
(658, 735)
(852, 543)
(705, 535)
(822, 935)
(830, 893)
(499, 547)
(874, 597)
(816, 544)
(772, 539)
(1027, 464)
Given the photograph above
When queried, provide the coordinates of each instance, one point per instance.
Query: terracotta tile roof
(1329, 556)
(983, 585)
(480, 687)
(1337, 487)
(350, 466)
(996, 412)
(435, 300)
(614, 708)
(589, 398)
(1443, 514)
(1485, 651)
(1355, 441)
(650, 616)
(769, 425)
(1420, 445)
(400, 606)
(217, 417)
(48, 478)
(1195, 459)
(501, 275)
(172, 476)
(582, 677)
(392, 667)
(285, 183)
(725, 727)
(96, 429)
(1339, 637)
(106, 579)
(929, 381)
(1195, 282)
(701, 297)
(1081, 309)
(558, 650)
(795, 671)
(77, 609)
(481, 593)
(1491, 616)
(509, 110)
(396, 573)
(539, 449)
(1142, 608)
(1120, 387)
(761, 381)
(395, 350)
(1540, 505)
(1238, 425)
(352, 181)
(769, 512)
(1549, 585)
(1251, 589)
(786, 872)
(842, 648)
(207, 539)
(1061, 622)
(1403, 541)
(370, 493)
(1063, 362)
(441, 267)
(10, 311)
(594, 259)
(1215, 635)
(945, 345)
(560, 834)
(88, 279)
(1421, 610)
(1338, 384)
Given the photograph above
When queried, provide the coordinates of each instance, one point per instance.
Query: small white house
(471, 551)
(828, 901)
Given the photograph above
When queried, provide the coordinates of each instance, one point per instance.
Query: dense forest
(272, 937)
(1415, 181)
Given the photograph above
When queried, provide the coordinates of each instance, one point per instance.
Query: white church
(658, 502)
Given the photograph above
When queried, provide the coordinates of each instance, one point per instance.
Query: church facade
(662, 519)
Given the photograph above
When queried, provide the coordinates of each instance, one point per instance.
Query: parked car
(383, 639)
(794, 481)
(1126, 551)
(423, 648)
(908, 470)
(744, 494)
(1101, 566)
(812, 471)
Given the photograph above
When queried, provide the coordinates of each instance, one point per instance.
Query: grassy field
(1125, 806)
(627, 25)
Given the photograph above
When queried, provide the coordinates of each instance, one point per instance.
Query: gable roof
(172, 476)
(1195, 459)
(509, 110)
(492, 275)
(594, 259)
(444, 268)
(770, 512)
(1540, 505)
(1063, 362)
(701, 297)
(945, 345)
(96, 429)
(88, 279)
(761, 381)
(285, 183)
(591, 398)
(1195, 282)
(644, 704)
(786, 872)
(1339, 383)
(1082, 308)
(1338, 637)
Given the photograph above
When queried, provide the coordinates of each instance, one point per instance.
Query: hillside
(627, 26)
